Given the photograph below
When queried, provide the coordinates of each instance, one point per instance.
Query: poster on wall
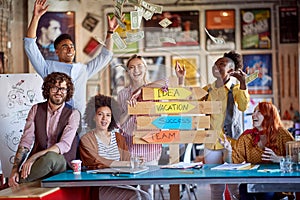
(20, 92)
(50, 26)
(220, 24)
(256, 28)
(263, 64)
(248, 113)
(288, 20)
(156, 70)
(191, 64)
(182, 32)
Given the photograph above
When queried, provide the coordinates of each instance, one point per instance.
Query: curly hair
(57, 77)
(61, 38)
(99, 101)
(271, 122)
(236, 58)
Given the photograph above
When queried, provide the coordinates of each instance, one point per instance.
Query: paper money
(165, 22)
(148, 6)
(134, 19)
(135, 2)
(121, 2)
(158, 9)
(121, 24)
(167, 39)
(118, 11)
(215, 39)
(134, 37)
(148, 15)
(252, 77)
(118, 41)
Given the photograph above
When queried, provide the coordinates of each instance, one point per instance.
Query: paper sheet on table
(182, 165)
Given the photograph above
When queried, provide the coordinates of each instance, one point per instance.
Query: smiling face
(137, 70)
(65, 51)
(221, 68)
(257, 119)
(58, 93)
(103, 118)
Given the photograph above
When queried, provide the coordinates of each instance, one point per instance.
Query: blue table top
(156, 175)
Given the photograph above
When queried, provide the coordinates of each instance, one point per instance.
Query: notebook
(120, 170)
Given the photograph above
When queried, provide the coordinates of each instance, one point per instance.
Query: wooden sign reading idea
(190, 93)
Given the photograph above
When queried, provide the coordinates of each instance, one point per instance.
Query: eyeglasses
(56, 89)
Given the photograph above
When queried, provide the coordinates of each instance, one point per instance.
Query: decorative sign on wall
(262, 63)
(288, 20)
(220, 24)
(184, 30)
(90, 22)
(256, 29)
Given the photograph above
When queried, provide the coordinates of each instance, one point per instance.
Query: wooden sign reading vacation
(181, 107)
(178, 93)
(174, 137)
(173, 122)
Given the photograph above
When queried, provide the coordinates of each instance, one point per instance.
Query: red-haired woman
(265, 143)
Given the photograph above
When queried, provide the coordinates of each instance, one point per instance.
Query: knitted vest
(40, 133)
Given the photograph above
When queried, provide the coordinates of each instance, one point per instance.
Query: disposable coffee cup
(76, 165)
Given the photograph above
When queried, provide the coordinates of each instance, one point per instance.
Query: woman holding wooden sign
(136, 69)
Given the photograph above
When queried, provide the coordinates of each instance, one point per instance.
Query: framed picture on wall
(220, 24)
(288, 20)
(156, 66)
(263, 64)
(191, 63)
(91, 47)
(182, 32)
(256, 28)
(50, 26)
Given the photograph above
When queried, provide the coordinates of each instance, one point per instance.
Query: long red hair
(271, 122)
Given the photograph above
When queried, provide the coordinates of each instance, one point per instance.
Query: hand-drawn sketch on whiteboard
(19, 92)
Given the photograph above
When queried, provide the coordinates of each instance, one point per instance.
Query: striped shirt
(111, 151)
(150, 152)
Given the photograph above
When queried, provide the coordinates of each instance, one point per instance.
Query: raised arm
(112, 25)
(38, 11)
(180, 73)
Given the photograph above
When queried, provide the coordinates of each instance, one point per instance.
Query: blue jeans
(244, 195)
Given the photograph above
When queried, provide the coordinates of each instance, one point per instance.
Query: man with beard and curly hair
(49, 140)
